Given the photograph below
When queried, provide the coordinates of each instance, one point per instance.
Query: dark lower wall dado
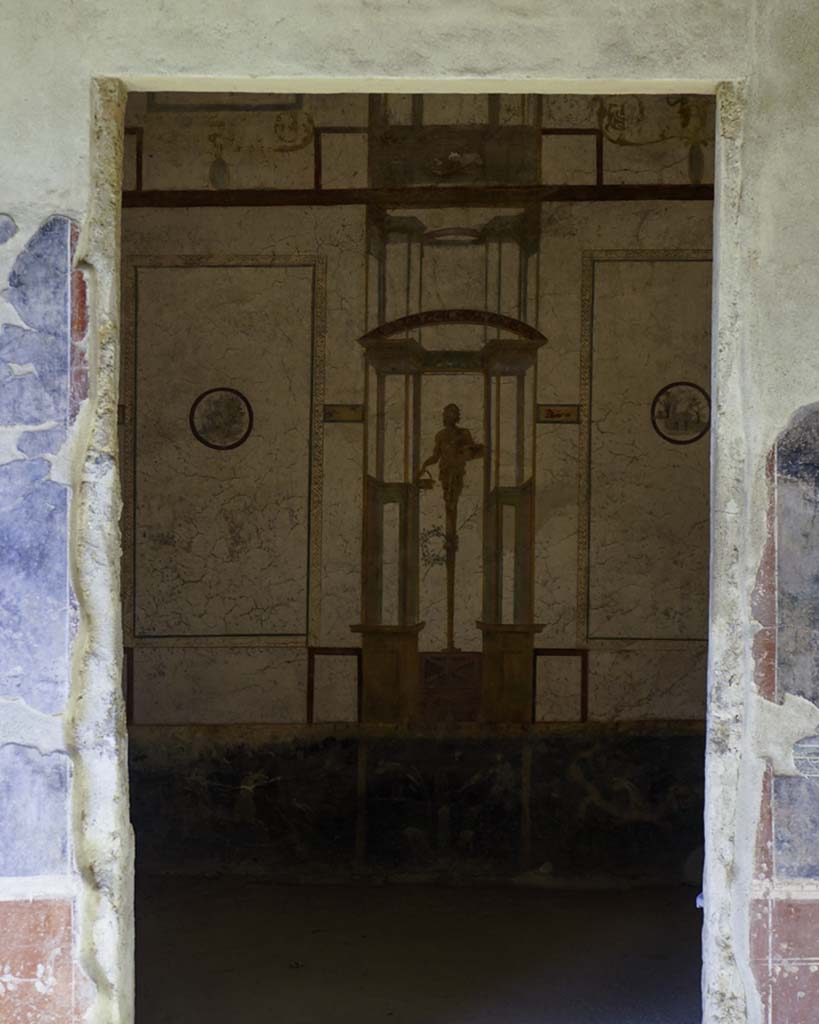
(582, 803)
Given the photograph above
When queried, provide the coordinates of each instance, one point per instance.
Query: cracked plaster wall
(210, 558)
(766, 358)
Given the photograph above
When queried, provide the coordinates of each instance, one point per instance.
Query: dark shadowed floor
(233, 951)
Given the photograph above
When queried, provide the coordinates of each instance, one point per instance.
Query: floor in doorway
(233, 951)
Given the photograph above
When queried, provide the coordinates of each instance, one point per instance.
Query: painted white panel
(648, 533)
(335, 688)
(557, 688)
(645, 684)
(222, 535)
(178, 685)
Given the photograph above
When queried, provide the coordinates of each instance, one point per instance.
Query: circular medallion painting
(221, 418)
(681, 412)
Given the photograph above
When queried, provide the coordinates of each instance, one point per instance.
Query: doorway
(471, 693)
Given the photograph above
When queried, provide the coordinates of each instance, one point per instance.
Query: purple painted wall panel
(39, 361)
(796, 799)
(33, 812)
(34, 394)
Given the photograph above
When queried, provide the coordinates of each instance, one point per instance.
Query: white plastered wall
(766, 359)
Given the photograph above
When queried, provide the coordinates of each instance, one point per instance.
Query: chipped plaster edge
(28, 888)
(777, 727)
(25, 726)
(96, 736)
(469, 84)
(733, 781)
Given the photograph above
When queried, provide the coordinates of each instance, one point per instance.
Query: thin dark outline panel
(590, 258)
(133, 263)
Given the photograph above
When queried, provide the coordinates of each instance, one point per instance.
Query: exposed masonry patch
(22, 724)
(22, 369)
(8, 229)
(778, 727)
(806, 756)
(12, 443)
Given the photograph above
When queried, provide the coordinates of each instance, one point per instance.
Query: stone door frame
(97, 736)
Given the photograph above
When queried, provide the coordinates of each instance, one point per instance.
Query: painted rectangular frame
(127, 422)
(590, 258)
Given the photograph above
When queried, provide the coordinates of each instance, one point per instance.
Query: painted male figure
(454, 447)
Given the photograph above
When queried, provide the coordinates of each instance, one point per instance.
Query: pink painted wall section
(763, 600)
(78, 362)
(39, 982)
(784, 948)
(784, 930)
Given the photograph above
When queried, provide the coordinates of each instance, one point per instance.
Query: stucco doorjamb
(97, 737)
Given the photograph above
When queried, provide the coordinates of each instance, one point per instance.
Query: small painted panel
(219, 685)
(558, 687)
(343, 413)
(794, 993)
(37, 975)
(568, 159)
(629, 685)
(343, 159)
(558, 413)
(450, 686)
(795, 930)
(438, 155)
(648, 138)
(335, 687)
(228, 149)
(796, 827)
(33, 812)
(806, 756)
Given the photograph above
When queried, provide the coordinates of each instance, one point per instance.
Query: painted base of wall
(582, 804)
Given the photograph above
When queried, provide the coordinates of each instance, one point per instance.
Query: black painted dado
(272, 808)
(628, 806)
(444, 805)
(582, 803)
